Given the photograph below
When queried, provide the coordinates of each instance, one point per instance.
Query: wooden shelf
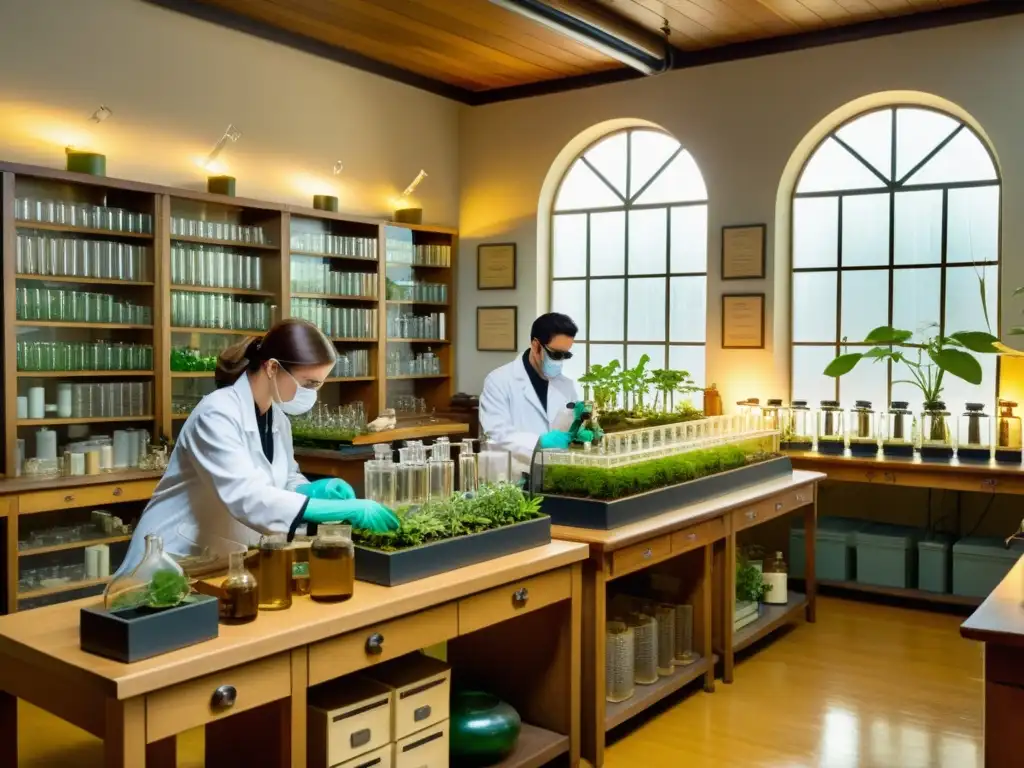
(906, 594)
(343, 379)
(218, 331)
(648, 695)
(91, 420)
(27, 484)
(419, 341)
(333, 256)
(417, 266)
(192, 374)
(333, 297)
(225, 243)
(71, 586)
(772, 617)
(180, 416)
(24, 224)
(421, 303)
(536, 747)
(413, 377)
(72, 545)
(84, 280)
(356, 339)
(78, 374)
(210, 289)
(60, 324)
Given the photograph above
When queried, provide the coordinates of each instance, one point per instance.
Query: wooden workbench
(526, 651)
(999, 624)
(697, 545)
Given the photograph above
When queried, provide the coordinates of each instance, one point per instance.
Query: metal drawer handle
(69, 498)
(422, 713)
(691, 537)
(118, 491)
(648, 553)
(520, 596)
(751, 514)
(801, 499)
(375, 644)
(778, 506)
(224, 697)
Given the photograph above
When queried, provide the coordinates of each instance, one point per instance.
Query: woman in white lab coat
(523, 403)
(232, 475)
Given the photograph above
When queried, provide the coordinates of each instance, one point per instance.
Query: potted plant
(750, 592)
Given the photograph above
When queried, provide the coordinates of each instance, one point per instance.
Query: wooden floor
(866, 687)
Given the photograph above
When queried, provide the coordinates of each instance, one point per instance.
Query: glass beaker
(468, 480)
(898, 430)
(861, 433)
(494, 464)
(332, 563)
(830, 428)
(975, 430)
(157, 581)
(937, 434)
(771, 415)
(618, 662)
(275, 567)
(1008, 438)
(797, 427)
(379, 475)
(442, 470)
(241, 599)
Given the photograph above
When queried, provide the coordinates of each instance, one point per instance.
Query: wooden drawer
(746, 517)
(421, 688)
(364, 648)
(197, 702)
(425, 749)
(698, 535)
(501, 603)
(641, 555)
(379, 759)
(347, 719)
(85, 496)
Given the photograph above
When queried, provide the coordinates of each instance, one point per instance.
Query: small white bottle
(776, 577)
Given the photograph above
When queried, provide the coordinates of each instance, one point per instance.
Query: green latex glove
(359, 513)
(327, 488)
(555, 439)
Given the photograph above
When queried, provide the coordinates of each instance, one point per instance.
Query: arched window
(895, 222)
(629, 253)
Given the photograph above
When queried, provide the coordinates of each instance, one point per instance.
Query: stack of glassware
(82, 215)
(83, 356)
(312, 275)
(217, 230)
(335, 245)
(338, 322)
(405, 325)
(407, 404)
(38, 253)
(351, 364)
(118, 398)
(214, 310)
(415, 290)
(58, 305)
(402, 363)
(215, 268)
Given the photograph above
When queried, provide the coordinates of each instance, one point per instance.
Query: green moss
(621, 421)
(617, 483)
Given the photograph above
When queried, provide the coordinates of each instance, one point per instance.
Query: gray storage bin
(980, 563)
(934, 564)
(834, 556)
(887, 555)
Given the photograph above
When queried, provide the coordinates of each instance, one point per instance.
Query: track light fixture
(101, 114)
(415, 183)
(231, 134)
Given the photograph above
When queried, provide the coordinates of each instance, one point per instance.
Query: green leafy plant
(607, 382)
(166, 589)
(603, 381)
(750, 586)
(636, 382)
(667, 382)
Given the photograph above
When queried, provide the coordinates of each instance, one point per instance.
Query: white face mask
(302, 402)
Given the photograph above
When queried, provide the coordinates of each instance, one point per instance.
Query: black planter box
(832, 447)
(1006, 456)
(389, 569)
(605, 515)
(898, 450)
(929, 453)
(974, 455)
(131, 634)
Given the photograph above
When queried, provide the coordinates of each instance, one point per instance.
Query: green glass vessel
(484, 729)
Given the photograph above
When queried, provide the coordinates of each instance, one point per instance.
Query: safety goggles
(557, 354)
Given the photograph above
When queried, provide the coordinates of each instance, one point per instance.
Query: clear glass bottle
(1008, 435)
(618, 662)
(241, 600)
(775, 575)
(468, 479)
(442, 470)
(684, 654)
(938, 438)
(749, 411)
(275, 572)
(771, 415)
(494, 464)
(861, 429)
(133, 589)
(898, 430)
(403, 479)
(830, 433)
(419, 483)
(975, 432)
(645, 648)
(379, 476)
(332, 563)
(665, 615)
(797, 427)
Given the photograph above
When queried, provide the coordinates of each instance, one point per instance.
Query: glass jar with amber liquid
(332, 563)
(241, 592)
(275, 579)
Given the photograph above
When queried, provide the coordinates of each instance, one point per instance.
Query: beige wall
(174, 83)
(742, 121)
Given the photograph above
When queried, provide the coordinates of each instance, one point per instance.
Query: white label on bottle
(778, 594)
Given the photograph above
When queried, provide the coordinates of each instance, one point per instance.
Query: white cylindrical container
(122, 446)
(92, 562)
(36, 403)
(104, 551)
(106, 458)
(776, 577)
(77, 464)
(46, 444)
(64, 401)
(134, 447)
(22, 406)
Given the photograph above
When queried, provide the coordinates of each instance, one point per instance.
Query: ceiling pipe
(603, 32)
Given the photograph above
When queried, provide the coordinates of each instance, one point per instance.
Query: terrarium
(830, 432)
(938, 437)
(1008, 434)
(797, 427)
(899, 426)
(861, 433)
(771, 415)
(975, 432)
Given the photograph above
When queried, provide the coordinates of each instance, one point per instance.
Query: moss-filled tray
(605, 514)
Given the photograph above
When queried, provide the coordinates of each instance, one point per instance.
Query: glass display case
(797, 427)
(862, 429)
(938, 433)
(975, 432)
(1008, 434)
(898, 430)
(830, 431)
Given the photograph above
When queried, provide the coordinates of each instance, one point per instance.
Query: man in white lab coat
(523, 403)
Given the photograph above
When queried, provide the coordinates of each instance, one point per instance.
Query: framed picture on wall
(496, 266)
(743, 248)
(743, 321)
(496, 329)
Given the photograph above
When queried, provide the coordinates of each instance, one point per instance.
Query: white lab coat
(219, 492)
(511, 413)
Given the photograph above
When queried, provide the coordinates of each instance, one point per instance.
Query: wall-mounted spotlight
(101, 114)
(407, 214)
(83, 161)
(338, 167)
(415, 183)
(221, 184)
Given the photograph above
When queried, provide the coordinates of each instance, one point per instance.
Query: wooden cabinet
(698, 535)
(642, 555)
(87, 496)
(380, 758)
(421, 690)
(347, 719)
(777, 506)
(502, 603)
(424, 749)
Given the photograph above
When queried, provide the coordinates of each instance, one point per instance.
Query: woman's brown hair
(291, 342)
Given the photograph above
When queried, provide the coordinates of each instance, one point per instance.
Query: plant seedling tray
(389, 569)
(132, 634)
(605, 515)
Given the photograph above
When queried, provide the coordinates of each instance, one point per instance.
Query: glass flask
(332, 563)
(442, 470)
(241, 600)
(830, 428)
(142, 586)
(771, 415)
(419, 484)
(1008, 437)
(275, 572)
(468, 479)
(645, 648)
(975, 432)
(861, 432)
(684, 653)
(937, 433)
(494, 464)
(797, 427)
(379, 476)
(665, 615)
(618, 662)
(898, 430)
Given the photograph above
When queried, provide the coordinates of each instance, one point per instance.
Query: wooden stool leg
(8, 730)
(124, 740)
(810, 537)
(163, 753)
